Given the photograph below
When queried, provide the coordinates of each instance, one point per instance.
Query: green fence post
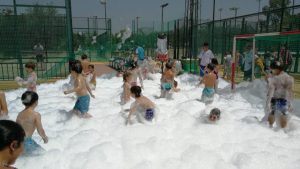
(71, 54)
(17, 46)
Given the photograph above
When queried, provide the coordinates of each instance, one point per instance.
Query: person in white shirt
(205, 58)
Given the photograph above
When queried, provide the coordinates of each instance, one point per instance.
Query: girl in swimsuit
(30, 82)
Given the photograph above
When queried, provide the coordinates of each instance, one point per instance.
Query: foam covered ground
(180, 139)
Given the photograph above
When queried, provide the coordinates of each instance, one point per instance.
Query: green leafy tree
(274, 14)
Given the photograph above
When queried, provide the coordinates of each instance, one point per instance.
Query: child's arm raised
(40, 129)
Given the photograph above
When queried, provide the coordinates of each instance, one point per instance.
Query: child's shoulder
(36, 114)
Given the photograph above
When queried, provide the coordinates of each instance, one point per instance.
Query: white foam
(179, 139)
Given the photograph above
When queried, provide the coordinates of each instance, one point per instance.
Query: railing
(53, 68)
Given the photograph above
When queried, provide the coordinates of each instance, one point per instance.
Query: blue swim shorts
(82, 104)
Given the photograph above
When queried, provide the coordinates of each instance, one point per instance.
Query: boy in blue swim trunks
(167, 81)
(81, 88)
(30, 120)
(280, 94)
(143, 107)
(209, 81)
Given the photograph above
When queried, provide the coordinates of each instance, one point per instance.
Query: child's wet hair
(77, 67)
(214, 61)
(92, 66)
(169, 65)
(84, 56)
(277, 65)
(30, 65)
(29, 98)
(136, 90)
(133, 65)
(210, 66)
(10, 131)
(126, 75)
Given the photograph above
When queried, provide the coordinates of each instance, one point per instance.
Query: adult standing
(140, 55)
(247, 63)
(205, 58)
(286, 58)
(39, 52)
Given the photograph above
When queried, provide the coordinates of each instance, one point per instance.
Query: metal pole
(69, 28)
(137, 25)
(253, 59)
(213, 25)
(259, 1)
(293, 7)
(235, 14)
(162, 19)
(105, 11)
(17, 47)
(282, 15)
(200, 6)
(105, 16)
(234, 63)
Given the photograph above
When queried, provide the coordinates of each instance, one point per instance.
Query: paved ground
(102, 68)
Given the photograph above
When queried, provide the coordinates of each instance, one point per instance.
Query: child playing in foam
(214, 115)
(91, 77)
(81, 89)
(12, 143)
(30, 82)
(136, 73)
(167, 81)
(125, 96)
(209, 80)
(216, 72)
(30, 120)
(280, 94)
(143, 107)
(3, 106)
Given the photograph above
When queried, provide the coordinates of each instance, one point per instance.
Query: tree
(274, 14)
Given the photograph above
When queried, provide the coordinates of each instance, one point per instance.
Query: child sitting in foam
(143, 107)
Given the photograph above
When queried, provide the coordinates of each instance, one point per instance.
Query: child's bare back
(209, 80)
(27, 119)
(168, 76)
(80, 86)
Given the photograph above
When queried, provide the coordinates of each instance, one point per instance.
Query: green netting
(25, 24)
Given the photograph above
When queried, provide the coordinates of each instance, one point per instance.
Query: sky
(122, 12)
